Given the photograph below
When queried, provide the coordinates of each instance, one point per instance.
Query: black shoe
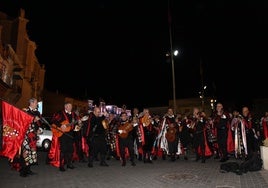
(140, 157)
(82, 161)
(203, 161)
(30, 172)
(133, 163)
(103, 164)
(124, 163)
(223, 160)
(185, 158)
(62, 169)
(23, 174)
(149, 161)
(238, 172)
(70, 166)
(47, 160)
(90, 165)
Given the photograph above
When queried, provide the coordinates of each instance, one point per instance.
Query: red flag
(15, 124)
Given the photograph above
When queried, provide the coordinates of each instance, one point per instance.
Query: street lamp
(173, 79)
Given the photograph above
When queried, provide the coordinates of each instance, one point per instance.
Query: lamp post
(172, 58)
(171, 55)
(173, 81)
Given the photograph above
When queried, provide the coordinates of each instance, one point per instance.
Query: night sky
(116, 50)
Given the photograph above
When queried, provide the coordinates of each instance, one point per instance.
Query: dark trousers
(199, 142)
(97, 145)
(24, 169)
(129, 144)
(66, 150)
(222, 143)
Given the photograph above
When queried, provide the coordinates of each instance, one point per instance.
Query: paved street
(161, 173)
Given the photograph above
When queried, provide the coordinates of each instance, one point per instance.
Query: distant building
(21, 75)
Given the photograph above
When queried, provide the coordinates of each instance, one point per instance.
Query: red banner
(15, 124)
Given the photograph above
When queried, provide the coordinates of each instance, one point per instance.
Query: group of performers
(146, 137)
(100, 135)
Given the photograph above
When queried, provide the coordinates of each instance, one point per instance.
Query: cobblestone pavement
(162, 173)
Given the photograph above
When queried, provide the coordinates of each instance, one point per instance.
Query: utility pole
(172, 58)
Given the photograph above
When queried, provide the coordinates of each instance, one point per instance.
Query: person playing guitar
(148, 131)
(125, 139)
(171, 133)
(63, 125)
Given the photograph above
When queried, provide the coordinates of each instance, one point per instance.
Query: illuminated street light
(176, 52)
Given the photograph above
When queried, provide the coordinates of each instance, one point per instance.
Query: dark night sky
(115, 50)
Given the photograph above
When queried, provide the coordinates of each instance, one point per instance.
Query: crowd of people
(101, 135)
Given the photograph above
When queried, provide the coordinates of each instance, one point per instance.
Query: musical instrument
(180, 128)
(58, 131)
(124, 129)
(171, 133)
(80, 125)
(105, 123)
(146, 120)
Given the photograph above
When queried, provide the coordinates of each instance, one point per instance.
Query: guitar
(79, 126)
(125, 129)
(171, 133)
(58, 131)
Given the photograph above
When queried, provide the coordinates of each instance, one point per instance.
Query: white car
(44, 139)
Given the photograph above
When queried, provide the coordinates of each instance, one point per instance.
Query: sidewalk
(167, 174)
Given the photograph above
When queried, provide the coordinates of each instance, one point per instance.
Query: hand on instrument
(121, 131)
(36, 118)
(63, 127)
